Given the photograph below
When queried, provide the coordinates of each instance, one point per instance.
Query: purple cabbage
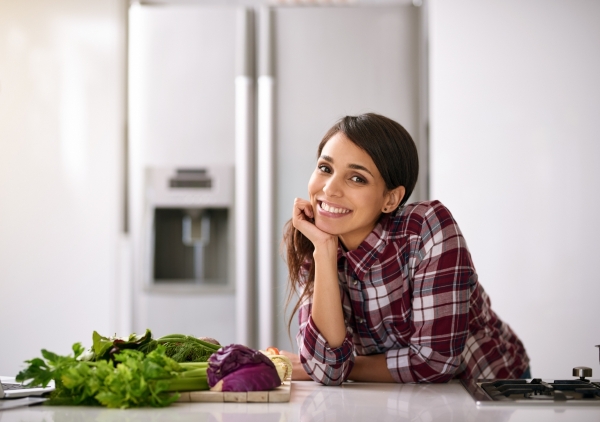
(242, 369)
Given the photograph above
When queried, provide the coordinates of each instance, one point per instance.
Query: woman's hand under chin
(303, 219)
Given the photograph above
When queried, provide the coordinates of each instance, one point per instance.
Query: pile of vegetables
(140, 371)
(120, 372)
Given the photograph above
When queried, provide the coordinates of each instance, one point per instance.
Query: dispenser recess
(190, 227)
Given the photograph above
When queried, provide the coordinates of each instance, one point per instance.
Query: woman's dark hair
(394, 153)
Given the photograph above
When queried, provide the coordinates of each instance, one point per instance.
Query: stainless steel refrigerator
(236, 100)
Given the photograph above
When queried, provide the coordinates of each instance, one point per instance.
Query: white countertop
(313, 402)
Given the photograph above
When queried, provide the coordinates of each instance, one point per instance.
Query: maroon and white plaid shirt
(410, 290)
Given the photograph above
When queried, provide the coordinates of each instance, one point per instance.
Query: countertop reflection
(313, 402)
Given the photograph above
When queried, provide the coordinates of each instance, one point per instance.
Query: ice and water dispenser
(190, 226)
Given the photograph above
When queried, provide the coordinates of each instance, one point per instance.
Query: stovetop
(575, 392)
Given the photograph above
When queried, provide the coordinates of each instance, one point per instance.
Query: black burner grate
(559, 390)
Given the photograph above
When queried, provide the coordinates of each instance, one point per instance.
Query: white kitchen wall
(61, 139)
(515, 106)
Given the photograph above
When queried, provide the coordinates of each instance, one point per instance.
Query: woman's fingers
(303, 216)
(303, 208)
(303, 219)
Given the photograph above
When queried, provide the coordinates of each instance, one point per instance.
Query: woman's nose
(333, 187)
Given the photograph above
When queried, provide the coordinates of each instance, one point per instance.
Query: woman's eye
(358, 179)
(324, 168)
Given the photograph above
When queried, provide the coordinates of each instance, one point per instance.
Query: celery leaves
(135, 381)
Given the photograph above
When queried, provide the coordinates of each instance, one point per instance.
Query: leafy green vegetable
(105, 348)
(182, 348)
(136, 380)
(51, 367)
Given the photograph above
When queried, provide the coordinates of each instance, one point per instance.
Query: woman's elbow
(324, 376)
(331, 382)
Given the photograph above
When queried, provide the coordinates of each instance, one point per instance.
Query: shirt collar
(362, 258)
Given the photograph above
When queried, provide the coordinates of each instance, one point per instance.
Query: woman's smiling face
(347, 191)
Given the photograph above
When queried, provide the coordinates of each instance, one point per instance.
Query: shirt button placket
(355, 282)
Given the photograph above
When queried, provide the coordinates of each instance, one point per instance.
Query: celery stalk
(193, 365)
(187, 384)
(194, 373)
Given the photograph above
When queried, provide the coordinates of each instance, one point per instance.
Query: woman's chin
(327, 228)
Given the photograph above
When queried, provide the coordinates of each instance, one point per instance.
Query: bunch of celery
(130, 379)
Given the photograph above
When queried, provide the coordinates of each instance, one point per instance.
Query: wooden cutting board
(279, 395)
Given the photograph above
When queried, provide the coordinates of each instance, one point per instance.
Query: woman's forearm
(327, 312)
(371, 368)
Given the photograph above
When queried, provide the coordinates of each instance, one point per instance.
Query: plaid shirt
(410, 291)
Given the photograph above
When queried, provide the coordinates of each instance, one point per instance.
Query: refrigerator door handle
(266, 186)
(244, 171)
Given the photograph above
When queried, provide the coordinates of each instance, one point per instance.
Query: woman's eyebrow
(359, 167)
(352, 166)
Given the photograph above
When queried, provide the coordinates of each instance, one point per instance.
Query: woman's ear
(393, 198)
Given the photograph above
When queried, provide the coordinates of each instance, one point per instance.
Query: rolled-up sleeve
(326, 365)
(442, 274)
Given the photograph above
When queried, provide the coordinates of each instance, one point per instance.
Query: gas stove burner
(537, 391)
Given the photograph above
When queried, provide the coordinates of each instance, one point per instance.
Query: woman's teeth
(334, 210)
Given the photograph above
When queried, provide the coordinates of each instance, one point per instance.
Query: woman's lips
(331, 210)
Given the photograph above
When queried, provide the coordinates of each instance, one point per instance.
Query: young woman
(388, 291)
